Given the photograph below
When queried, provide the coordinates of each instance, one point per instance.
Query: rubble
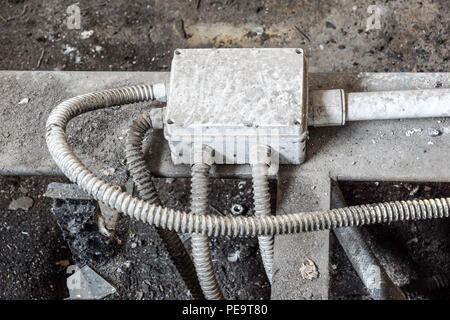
(24, 203)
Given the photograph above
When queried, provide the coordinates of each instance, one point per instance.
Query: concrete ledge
(377, 150)
(362, 150)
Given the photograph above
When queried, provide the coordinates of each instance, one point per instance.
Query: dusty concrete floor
(141, 35)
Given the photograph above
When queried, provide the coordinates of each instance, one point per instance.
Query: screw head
(237, 209)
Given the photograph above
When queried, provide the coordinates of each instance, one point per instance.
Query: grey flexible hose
(142, 177)
(209, 225)
(261, 196)
(201, 252)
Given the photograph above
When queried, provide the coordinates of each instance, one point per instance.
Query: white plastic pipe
(334, 107)
(398, 104)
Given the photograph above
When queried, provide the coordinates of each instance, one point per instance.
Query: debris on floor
(86, 34)
(433, 132)
(85, 283)
(58, 190)
(409, 133)
(24, 101)
(233, 257)
(24, 203)
(78, 222)
(309, 271)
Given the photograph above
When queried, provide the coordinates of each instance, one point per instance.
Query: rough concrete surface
(301, 192)
(141, 35)
(98, 137)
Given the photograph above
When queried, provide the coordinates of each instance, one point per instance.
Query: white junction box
(230, 99)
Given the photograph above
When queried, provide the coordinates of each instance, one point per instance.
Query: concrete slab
(303, 191)
(379, 150)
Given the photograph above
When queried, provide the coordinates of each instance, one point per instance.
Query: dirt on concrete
(142, 35)
(33, 253)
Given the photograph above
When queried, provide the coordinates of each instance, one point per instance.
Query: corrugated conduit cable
(201, 252)
(209, 225)
(142, 177)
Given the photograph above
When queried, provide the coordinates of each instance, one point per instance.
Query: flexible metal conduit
(201, 251)
(210, 225)
(142, 177)
(261, 196)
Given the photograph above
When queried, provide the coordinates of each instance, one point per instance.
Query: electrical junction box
(231, 99)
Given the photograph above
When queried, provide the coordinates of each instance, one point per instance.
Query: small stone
(86, 284)
(409, 133)
(24, 203)
(258, 30)
(86, 34)
(24, 101)
(414, 191)
(67, 49)
(329, 25)
(309, 271)
(139, 295)
(133, 245)
(432, 132)
(233, 257)
(108, 171)
(77, 58)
